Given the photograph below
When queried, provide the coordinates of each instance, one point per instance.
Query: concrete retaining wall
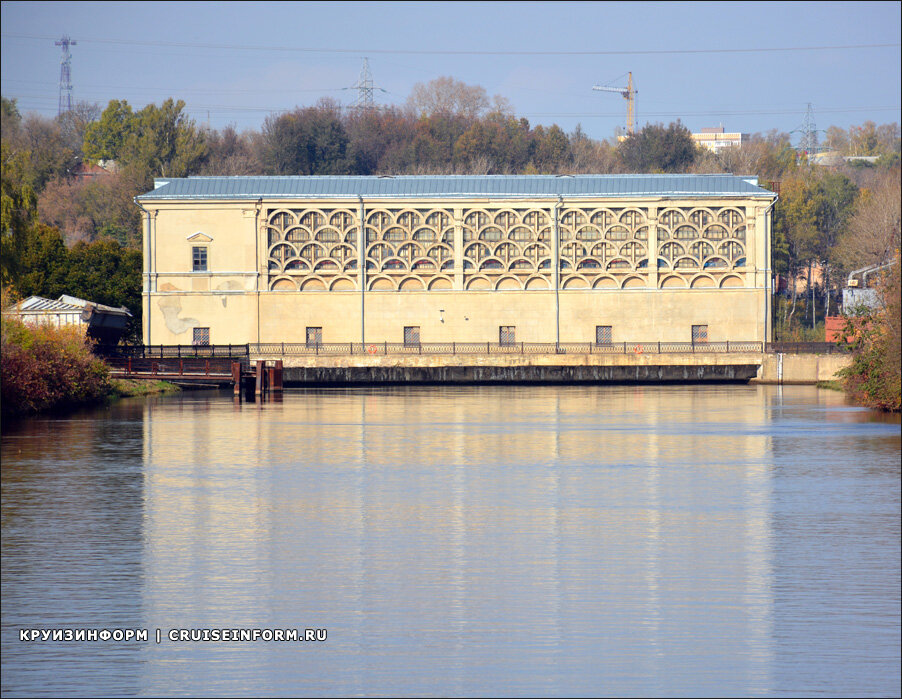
(518, 374)
(801, 368)
(562, 368)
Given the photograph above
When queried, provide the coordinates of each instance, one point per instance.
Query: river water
(559, 540)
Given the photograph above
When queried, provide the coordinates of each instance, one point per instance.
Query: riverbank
(131, 388)
(49, 370)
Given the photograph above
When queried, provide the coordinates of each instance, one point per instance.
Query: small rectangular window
(199, 259)
(412, 336)
(314, 337)
(507, 334)
(201, 337)
(603, 334)
(699, 334)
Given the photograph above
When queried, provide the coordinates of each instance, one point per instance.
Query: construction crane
(629, 94)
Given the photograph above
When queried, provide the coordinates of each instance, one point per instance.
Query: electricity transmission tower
(809, 134)
(65, 101)
(365, 88)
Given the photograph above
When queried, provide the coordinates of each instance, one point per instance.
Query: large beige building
(715, 140)
(613, 258)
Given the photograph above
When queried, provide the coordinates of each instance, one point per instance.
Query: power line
(658, 114)
(442, 52)
(756, 112)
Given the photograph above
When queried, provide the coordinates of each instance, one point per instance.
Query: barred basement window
(201, 337)
(699, 334)
(314, 337)
(199, 259)
(507, 334)
(412, 336)
(603, 334)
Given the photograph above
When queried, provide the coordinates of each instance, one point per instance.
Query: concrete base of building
(494, 369)
(523, 374)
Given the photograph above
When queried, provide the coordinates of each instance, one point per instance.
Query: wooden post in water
(260, 378)
(236, 378)
(278, 381)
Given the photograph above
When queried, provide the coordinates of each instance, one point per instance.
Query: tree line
(57, 227)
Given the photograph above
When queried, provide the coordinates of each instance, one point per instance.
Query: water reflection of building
(73, 537)
(472, 518)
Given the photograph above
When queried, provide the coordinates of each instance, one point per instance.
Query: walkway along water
(261, 368)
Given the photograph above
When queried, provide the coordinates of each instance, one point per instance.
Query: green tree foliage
(165, 143)
(657, 148)
(779, 249)
(154, 142)
(502, 141)
(105, 138)
(104, 272)
(795, 227)
(795, 219)
(18, 211)
(835, 195)
(10, 118)
(550, 149)
(434, 139)
(45, 263)
(309, 141)
(380, 141)
(108, 273)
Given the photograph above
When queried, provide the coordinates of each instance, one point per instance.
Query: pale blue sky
(236, 62)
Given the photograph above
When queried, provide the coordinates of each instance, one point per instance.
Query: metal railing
(806, 348)
(187, 367)
(530, 348)
(177, 351)
(287, 349)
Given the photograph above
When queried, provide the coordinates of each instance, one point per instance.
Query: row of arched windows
(504, 241)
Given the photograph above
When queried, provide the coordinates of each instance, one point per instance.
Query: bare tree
(448, 97)
(230, 154)
(590, 156)
(873, 234)
(75, 122)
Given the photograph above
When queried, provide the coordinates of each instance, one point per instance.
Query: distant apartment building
(715, 140)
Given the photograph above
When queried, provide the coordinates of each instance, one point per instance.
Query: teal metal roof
(453, 186)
